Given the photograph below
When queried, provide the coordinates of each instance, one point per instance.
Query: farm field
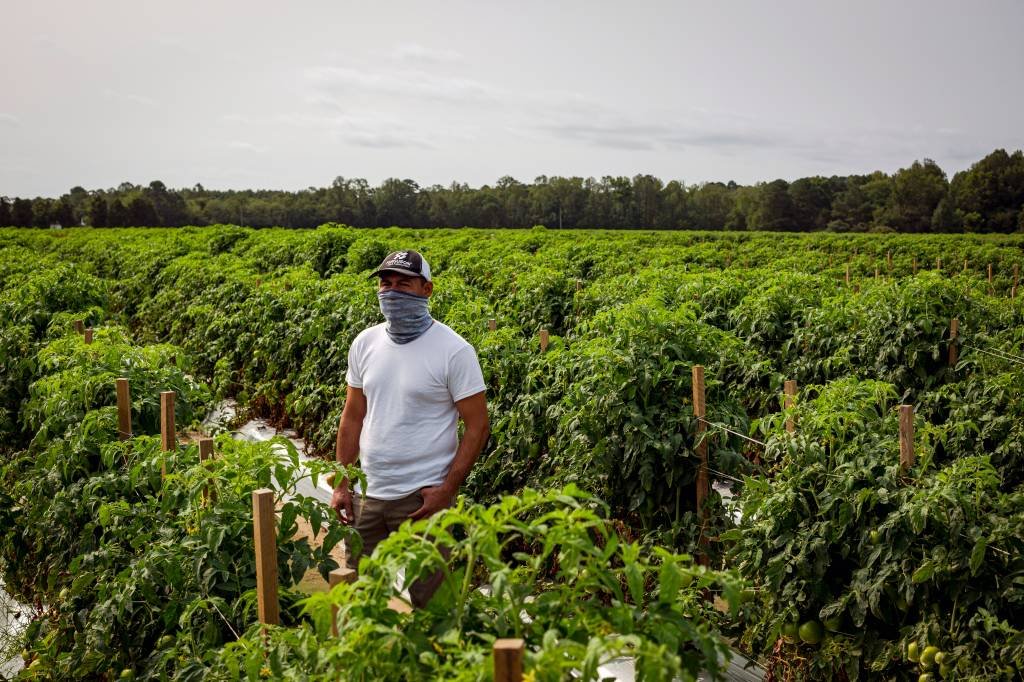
(874, 541)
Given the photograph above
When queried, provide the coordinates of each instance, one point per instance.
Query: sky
(288, 95)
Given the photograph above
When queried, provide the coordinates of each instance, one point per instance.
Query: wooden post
(334, 578)
(888, 260)
(264, 523)
(543, 340)
(990, 274)
(965, 265)
(876, 273)
(847, 273)
(579, 286)
(508, 660)
(906, 437)
(167, 441)
(80, 326)
(789, 388)
(954, 332)
(1016, 275)
(167, 431)
(124, 410)
(938, 263)
(1013, 291)
(492, 324)
(88, 335)
(703, 486)
(914, 265)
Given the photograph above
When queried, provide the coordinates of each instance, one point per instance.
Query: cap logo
(400, 259)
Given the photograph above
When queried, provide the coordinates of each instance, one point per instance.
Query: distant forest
(988, 197)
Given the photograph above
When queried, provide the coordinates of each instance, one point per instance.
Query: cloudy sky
(260, 94)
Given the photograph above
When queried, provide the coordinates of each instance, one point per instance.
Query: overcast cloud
(290, 95)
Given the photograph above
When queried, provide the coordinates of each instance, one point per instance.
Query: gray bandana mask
(407, 315)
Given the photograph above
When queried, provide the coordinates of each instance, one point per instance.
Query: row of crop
(892, 560)
(120, 554)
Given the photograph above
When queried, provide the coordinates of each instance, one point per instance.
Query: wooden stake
(1013, 291)
(703, 486)
(954, 332)
(876, 273)
(906, 437)
(990, 273)
(88, 335)
(124, 410)
(888, 260)
(167, 441)
(847, 273)
(337, 577)
(264, 530)
(508, 660)
(579, 285)
(789, 388)
(938, 262)
(492, 324)
(1016, 275)
(167, 431)
(914, 265)
(965, 265)
(80, 326)
(543, 340)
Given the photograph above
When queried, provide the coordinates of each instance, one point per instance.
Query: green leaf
(978, 554)
(924, 572)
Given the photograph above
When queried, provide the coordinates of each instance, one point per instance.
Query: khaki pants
(375, 520)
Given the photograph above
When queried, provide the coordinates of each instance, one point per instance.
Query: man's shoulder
(369, 335)
(449, 338)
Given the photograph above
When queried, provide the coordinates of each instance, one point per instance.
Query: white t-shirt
(410, 432)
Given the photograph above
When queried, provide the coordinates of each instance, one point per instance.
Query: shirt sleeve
(465, 378)
(354, 374)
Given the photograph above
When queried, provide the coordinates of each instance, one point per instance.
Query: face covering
(407, 315)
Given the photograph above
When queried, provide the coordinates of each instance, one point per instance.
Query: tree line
(987, 197)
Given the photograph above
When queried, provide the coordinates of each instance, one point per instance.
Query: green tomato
(945, 671)
(790, 631)
(876, 537)
(127, 674)
(913, 653)
(165, 641)
(928, 656)
(940, 658)
(925, 677)
(834, 624)
(812, 632)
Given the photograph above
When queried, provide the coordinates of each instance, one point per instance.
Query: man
(409, 379)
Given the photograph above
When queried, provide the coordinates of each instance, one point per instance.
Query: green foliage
(549, 568)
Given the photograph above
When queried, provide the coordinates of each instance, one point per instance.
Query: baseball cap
(405, 262)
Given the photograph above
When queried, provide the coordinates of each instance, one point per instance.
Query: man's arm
(346, 448)
(473, 411)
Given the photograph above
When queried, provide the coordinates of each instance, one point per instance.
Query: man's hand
(341, 502)
(435, 498)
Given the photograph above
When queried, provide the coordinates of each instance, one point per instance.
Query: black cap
(405, 262)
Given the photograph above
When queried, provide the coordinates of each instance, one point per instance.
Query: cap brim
(401, 271)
